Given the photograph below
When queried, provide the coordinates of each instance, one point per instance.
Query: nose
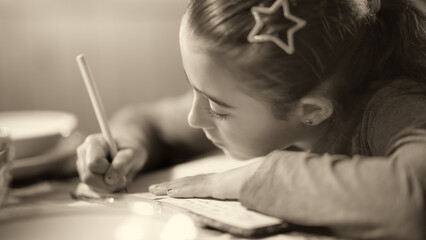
(198, 117)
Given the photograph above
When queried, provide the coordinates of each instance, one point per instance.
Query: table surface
(46, 210)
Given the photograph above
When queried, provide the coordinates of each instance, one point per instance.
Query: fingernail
(171, 191)
(152, 187)
(111, 178)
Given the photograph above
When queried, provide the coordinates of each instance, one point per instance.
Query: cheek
(251, 140)
(263, 134)
(234, 132)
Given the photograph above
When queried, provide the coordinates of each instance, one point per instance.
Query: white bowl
(34, 132)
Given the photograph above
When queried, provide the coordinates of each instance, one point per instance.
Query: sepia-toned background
(131, 45)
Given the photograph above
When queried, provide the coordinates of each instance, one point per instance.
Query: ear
(313, 110)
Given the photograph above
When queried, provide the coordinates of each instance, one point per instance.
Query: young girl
(329, 95)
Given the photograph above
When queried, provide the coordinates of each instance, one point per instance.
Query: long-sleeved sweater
(369, 185)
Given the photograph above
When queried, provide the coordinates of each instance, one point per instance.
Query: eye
(215, 114)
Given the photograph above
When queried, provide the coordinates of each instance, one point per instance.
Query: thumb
(120, 166)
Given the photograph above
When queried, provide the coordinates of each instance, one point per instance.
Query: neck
(312, 136)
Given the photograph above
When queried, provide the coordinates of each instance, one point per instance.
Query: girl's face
(239, 124)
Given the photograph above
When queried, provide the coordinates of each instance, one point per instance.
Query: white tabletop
(46, 211)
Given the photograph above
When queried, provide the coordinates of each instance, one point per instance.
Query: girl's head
(252, 98)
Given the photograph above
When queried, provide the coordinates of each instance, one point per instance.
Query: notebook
(226, 216)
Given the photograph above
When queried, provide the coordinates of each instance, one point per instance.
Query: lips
(213, 140)
(218, 144)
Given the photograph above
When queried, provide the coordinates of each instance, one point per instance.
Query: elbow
(411, 226)
(407, 218)
(412, 221)
(400, 223)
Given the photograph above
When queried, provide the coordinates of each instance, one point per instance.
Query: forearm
(134, 127)
(355, 197)
(161, 129)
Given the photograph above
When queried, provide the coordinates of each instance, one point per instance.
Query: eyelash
(217, 115)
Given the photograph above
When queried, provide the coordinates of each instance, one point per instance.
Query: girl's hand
(226, 185)
(101, 175)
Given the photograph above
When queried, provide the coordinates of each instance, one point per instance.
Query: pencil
(96, 103)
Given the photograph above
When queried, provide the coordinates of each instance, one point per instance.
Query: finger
(196, 189)
(120, 166)
(80, 165)
(96, 181)
(99, 141)
(96, 159)
(158, 189)
(94, 141)
(161, 188)
(80, 158)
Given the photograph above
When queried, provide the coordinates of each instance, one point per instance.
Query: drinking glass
(6, 156)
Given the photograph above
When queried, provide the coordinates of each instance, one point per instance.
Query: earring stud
(308, 122)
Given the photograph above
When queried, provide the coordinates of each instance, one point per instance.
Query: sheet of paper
(227, 212)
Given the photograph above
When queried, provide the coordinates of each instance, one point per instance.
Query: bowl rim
(71, 119)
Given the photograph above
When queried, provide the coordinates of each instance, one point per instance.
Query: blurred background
(131, 45)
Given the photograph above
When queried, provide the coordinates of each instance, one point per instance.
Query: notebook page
(227, 212)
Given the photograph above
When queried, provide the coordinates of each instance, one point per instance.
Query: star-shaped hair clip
(256, 37)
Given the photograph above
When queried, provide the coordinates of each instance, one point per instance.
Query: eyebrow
(213, 99)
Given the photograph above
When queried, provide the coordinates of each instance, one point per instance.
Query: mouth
(218, 144)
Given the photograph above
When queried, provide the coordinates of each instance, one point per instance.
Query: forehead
(205, 72)
(213, 72)
(189, 41)
(199, 55)
(241, 66)
(196, 56)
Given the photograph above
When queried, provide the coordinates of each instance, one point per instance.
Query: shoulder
(397, 107)
(399, 88)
